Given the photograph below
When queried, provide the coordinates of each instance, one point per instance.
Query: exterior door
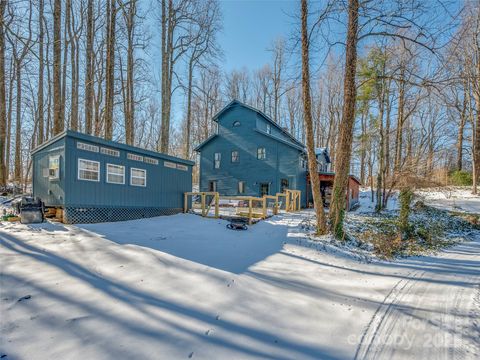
(264, 189)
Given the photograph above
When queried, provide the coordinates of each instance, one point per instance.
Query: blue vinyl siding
(50, 191)
(164, 189)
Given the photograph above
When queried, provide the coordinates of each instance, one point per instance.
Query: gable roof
(323, 151)
(266, 117)
(205, 142)
(109, 143)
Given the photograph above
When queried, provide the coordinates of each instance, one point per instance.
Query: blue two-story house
(251, 155)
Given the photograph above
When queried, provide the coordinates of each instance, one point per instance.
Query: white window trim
(107, 173)
(138, 177)
(78, 170)
(215, 160)
(269, 129)
(243, 182)
(264, 153)
(237, 157)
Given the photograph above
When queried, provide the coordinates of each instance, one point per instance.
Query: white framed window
(111, 152)
(269, 129)
(135, 157)
(170, 164)
(150, 160)
(138, 177)
(261, 153)
(182, 167)
(54, 167)
(88, 170)
(115, 174)
(87, 147)
(241, 187)
(217, 160)
(235, 156)
(303, 162)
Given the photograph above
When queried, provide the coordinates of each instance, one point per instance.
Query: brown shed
(326, 185)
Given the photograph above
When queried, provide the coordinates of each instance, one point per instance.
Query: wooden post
(216, 205)
(203, 203)
(275, 208)
(185, 202)
(264, 207)
(287, 202)
(250, 211)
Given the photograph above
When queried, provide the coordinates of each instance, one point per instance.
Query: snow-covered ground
(458, 199)
(182, 287)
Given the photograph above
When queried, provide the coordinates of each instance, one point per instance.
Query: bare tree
(307, 108)
(344, 139)
(57, 71)
(3, 102)
(89, 81)
(109, 68)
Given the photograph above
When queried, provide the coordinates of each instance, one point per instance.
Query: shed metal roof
(109, 143)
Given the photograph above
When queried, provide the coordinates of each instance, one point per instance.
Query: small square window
(261, 153)
(269, 129)
(54, 167)
(235, 156)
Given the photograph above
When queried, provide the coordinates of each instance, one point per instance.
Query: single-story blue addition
(95, 180)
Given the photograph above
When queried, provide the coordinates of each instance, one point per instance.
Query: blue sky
(250, 26)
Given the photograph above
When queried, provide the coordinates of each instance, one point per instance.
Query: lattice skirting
(77, 215)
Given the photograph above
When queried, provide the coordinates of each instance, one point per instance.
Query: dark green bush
(461, 178)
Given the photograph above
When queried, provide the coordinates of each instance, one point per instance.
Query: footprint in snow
(217, 317)
(190, 355)
(208, 332)
(26, 297)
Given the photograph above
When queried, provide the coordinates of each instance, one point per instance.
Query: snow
(182, 286)
(368, 206)
(458, 199)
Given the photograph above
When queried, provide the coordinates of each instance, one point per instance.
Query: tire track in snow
(446, 312)
(372, 331)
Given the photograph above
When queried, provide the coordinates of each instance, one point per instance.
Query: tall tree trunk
(381, 148)
(307, 107)
(74, 58)
(89, 70)
(57, 75)
(9, 118)
(130, 96)
(65, 53)
(461, 127)
(3, 101)
(345, 134)
(188, 125)
(400, 121)
(18, 126)
(109, 68)
(167, 72)
(41, 35)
